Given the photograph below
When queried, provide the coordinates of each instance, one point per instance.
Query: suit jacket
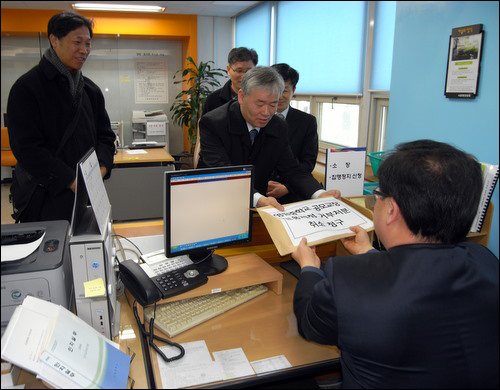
(219, 97)
(225, 141)
(39, 111)
(415, 316)
(303, 137)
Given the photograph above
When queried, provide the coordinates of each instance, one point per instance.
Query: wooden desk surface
(263, 327)
(151, 155)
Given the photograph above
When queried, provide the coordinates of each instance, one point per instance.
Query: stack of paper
(61, 349)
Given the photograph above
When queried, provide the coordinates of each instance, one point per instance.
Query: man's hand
(270, 201)
(103, 171)
(334, 193)
(358, 244)
(276, 189)
(305, 255)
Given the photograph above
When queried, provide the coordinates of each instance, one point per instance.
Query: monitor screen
(207, 209)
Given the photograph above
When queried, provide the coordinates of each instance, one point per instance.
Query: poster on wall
(464, 59)
(151, 80)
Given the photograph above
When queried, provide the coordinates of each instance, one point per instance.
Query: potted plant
(188, 104)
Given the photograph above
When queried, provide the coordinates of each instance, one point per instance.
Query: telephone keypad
(175, 282)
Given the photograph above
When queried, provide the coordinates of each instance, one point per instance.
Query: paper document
(319, 220)
(62, 349)
(195, 368)
(20, 251)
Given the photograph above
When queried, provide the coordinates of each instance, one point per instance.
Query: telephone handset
(139, 283)
(150, 290)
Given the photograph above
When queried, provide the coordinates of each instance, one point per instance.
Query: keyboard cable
(151, 336)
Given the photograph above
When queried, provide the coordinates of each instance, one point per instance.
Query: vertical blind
(253, 30)
(324, 41)
(383, 42)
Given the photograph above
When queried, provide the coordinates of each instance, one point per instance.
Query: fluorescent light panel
(118, 7)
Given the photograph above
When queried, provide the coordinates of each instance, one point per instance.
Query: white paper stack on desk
(61, 349)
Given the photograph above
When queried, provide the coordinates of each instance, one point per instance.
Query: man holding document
(246, 131)
(424, 313)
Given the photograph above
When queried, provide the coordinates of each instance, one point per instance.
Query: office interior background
(372, 72)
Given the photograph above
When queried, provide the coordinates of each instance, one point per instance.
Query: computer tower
(92, 258)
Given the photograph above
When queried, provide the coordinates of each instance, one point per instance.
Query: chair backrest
(197, 147)
(8, 159)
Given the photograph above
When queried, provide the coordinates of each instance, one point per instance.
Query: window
(253, 29)
(343, 53)
(337, 117)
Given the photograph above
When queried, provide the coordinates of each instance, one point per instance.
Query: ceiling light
(118, 7)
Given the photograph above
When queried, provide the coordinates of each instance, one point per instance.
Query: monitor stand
(212, 265)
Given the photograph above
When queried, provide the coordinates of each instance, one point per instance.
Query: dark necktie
(253, 134)
(280, 115)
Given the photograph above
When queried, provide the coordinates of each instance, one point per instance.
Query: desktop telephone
(148, 290)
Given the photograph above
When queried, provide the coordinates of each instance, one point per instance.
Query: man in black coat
(226, 138)
(239, 61)
(302, 133)
(423, 313)
(42, 103)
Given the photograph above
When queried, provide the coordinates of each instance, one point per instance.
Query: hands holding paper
(356, 245)
(271, 201)
(334, 193)
(306, 256)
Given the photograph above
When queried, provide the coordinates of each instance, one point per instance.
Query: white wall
(215, 40)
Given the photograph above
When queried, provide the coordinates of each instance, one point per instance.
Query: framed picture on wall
(464, 60)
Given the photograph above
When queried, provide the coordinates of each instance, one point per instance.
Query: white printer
(44, 273)
(150, 126)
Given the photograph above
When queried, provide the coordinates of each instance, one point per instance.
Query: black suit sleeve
(313, 305)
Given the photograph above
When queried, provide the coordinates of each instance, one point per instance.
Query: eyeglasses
(372, 199)
(239, 71)
(379, 193)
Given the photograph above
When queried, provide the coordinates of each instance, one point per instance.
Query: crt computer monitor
(205, 209)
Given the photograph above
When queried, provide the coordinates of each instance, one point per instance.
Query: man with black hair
(239, 61)
(55, 115)
(424, 313)
(302, 134)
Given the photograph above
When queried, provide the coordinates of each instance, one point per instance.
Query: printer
(44, 268)
(150, 126)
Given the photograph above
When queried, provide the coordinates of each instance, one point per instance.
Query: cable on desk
(125, 238)
(151, 336)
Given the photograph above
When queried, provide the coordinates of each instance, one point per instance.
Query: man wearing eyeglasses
(239, 61)
(424, 312)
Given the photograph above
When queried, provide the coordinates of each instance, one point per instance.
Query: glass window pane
(301, 105)
(339, 123)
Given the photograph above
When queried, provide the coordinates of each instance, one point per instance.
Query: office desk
(135, 188)
(263, 327)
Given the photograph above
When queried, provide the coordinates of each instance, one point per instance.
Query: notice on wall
(151, 81)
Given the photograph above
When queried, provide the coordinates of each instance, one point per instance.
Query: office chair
(8, 159)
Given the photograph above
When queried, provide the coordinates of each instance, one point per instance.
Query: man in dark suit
(239, 61)
(423, 313)
(302, 134)
(226, 138)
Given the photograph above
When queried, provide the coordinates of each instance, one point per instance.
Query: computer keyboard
(176, 317)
